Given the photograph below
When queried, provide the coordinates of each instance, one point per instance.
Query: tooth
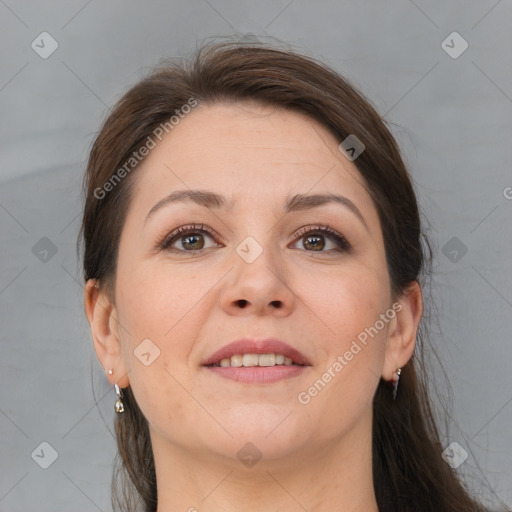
(236, 360)
(255, 360)
(267, 359)
(250, 359)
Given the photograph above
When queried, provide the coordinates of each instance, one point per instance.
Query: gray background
(451, 117)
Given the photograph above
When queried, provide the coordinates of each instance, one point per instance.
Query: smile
(246, 360)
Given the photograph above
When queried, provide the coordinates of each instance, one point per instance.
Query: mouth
(251, 360)
(254, 361)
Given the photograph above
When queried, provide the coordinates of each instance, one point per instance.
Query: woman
(253, 261)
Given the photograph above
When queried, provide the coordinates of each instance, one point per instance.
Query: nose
(257, 288)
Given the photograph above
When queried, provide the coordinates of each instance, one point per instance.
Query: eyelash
(343, 244)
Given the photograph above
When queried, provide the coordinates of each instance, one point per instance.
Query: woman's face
(254, 273)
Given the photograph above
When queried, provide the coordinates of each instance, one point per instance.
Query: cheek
(159, 319)
(155, 297)
(347, 308)
(344, 302)
(162, 311)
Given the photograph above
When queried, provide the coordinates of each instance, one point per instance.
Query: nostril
(276, 303)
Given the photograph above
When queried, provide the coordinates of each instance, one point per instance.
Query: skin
(317, 456)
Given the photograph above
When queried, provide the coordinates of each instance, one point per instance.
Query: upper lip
(254, 346)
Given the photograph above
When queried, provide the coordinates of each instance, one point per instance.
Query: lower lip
(257, 374)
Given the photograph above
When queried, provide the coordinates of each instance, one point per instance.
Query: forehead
(251, 153)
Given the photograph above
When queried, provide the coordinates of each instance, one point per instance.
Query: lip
(254, 346)
(257, 374)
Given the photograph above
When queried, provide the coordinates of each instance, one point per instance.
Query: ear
(102, 316)
(402, 336)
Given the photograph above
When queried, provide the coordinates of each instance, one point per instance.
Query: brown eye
(192, 241)
(187, 239)
(317, 238)
(314, 242)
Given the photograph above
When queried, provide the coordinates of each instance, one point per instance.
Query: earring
(119, 406)
(110, 372)
(396, 379)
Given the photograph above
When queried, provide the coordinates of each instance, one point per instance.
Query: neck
(317, 478)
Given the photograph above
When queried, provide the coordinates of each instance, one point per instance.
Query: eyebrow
(211, 200)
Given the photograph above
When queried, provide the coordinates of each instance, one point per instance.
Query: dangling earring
(396, 379)
(119, 406)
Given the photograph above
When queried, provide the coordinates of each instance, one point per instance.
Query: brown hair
(409, 472)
